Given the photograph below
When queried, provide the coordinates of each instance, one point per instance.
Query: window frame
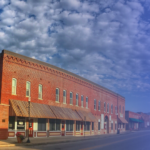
(71, 99)
(87, 126)
(112, 109)
(120, 109)
(55, 121)
(94, 104)
(123, 109)
(104, 106)
(115, 126)
(70, 124)
(28, 89)
(78, 125)
(77, 99)
(11, 122)
(112, 126)
(64, 97)
(82, 101)
(22, 119)
(107, 107)
(57, 95)
(116, 110)
(15, 93)
(87, 101)
(40, 85)
(99, 126)
(42, 124)
(92, 126)
(99, 105)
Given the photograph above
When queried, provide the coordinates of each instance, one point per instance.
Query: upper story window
(71, 98)
(40, 91)
(104, 107)
(14, 86)
(99, 105)
(87, 102)
(123, 109)
(112, 109)
(120, 108)
(57, 94)
(64, 96)
(81, 100)
(108, 108)
(77, 99)
(94, 104)
(115, 109)
(28, 89)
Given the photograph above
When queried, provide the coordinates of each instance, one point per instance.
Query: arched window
(14, 86)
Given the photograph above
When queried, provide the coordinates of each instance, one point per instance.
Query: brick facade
(50, 77)
(137, 120)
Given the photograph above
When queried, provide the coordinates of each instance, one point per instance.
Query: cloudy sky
(105, 41)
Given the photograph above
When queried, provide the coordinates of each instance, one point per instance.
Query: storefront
(46, 120)
(135, 124)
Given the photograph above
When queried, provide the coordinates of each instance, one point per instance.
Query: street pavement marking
(98, 146)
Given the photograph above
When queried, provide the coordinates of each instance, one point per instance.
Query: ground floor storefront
(135, 124)
(49, 121)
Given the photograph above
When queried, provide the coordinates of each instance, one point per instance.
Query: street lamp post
(28, 141)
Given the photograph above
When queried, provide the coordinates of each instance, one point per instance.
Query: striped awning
(86, 116)
(136, 120)
(122, 120)
(65, 113)
(20, 108)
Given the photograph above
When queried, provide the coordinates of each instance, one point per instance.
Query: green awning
(136, 120)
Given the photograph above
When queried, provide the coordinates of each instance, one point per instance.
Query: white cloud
(104, 41)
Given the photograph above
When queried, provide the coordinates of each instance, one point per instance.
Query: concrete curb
(65, 141)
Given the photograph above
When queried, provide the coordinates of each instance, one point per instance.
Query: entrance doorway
(63, 128)
(106, 124)
(31, 128)
(81, 128)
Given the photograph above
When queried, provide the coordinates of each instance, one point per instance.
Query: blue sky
(105, 41)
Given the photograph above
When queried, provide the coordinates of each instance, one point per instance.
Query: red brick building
(137, 121)
(61, 103)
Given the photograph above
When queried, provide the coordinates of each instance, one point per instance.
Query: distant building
(62, 103)
(137, 121)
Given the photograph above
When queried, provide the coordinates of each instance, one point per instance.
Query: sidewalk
(10, 142)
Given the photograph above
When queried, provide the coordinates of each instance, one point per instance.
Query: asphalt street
(131, 141)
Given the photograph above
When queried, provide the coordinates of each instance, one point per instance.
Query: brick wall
(3, 122)
(51, 79)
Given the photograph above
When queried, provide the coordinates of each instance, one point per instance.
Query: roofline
(57, 68)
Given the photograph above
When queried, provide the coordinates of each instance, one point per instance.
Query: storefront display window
(55, 125)
(20, 123)
(69, 125)
(11, 122)
(41, 124)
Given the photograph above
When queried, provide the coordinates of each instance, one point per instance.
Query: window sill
(57, 102)
(87, 108)
(40, 99)
(77, 106)
(71, 104)
(13, 94)
(65, 103)
(95, 109)
(99, 110)
(82, 107)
